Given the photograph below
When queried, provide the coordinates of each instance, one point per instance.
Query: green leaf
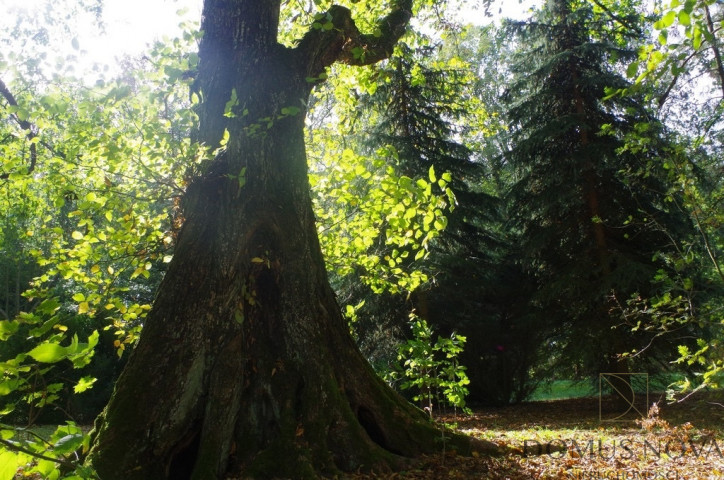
(667, 20)
(48, 470)
(698, 36)
(632, 69)
(405, 182)
(663, 37)
(82, 353)
(291, 111)
(440, 223)
(9, 386)
(8, 465)
(22, 114)
(173, 73)
(84, 384)
(242, 177)
(68, 443)
(48, 353)
(233, 101)
(83, 307)
(8, 328)
(684, 18)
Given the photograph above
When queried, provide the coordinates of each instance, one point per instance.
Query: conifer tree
(588, 211)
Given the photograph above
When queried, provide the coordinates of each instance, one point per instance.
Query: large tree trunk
(245, 366)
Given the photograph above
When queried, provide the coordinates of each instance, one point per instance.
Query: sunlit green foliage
(431, 369)
(372, 221)
(35, 455)
(682, 72)
(89, 210)
(414, 109)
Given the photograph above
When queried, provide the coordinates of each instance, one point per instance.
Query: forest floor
(565, 439)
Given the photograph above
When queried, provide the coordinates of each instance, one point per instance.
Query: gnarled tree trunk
(245, 366)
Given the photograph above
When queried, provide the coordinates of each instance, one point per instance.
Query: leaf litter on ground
(564, 439)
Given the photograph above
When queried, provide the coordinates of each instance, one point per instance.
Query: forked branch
(336, 38)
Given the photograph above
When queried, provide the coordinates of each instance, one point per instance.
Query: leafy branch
(17, 448)
(20, 117)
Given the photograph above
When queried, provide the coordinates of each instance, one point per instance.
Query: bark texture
(245, 367)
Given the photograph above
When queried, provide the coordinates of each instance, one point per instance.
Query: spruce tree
(588, 211)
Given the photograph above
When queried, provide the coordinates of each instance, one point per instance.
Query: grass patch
(561, 389)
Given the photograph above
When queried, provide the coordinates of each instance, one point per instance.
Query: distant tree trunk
(245, 367)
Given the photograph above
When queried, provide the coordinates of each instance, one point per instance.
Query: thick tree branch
(342, 41)
(25, 125)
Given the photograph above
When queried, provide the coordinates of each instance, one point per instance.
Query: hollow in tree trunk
(245, 367)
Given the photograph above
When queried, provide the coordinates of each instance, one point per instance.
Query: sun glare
(126, 27)
(129, 26)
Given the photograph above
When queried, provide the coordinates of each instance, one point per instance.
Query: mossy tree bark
(245, 366)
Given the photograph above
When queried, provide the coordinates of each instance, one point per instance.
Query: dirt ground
(565, 439)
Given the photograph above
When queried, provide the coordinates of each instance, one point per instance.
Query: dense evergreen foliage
(591, 214)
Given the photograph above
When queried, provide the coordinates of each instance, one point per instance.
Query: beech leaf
(48, 353)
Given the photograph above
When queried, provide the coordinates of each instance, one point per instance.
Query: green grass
(562, 389)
